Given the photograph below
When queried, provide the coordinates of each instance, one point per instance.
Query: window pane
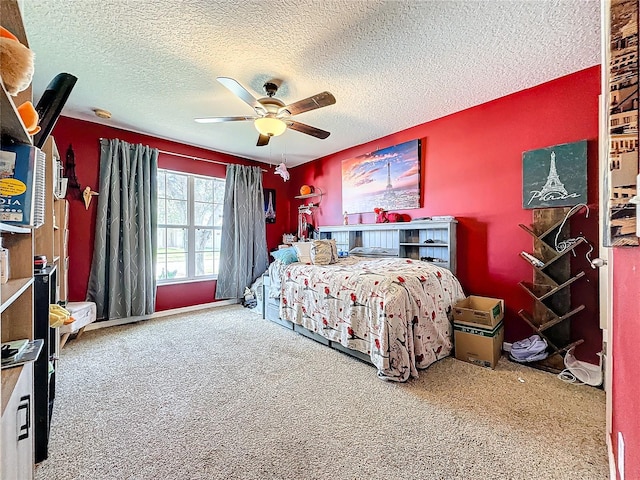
(161, 180)
(204, 264)
(203, 189)
(176, 239)
(161, 260)
(217, 238)
(217, 216)
(176, 186)
(162, 212)
(216, 262)
(203, 213)
(177, 212)
(204, 239)
(218, 191)
(176, 265)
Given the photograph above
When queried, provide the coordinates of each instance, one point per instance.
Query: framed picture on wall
(622, 115)
(555, 176)
(269, 205)
(387, 178)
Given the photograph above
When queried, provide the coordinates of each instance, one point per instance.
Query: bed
(393, 312)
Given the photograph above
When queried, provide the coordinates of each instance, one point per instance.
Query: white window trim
(191, 232)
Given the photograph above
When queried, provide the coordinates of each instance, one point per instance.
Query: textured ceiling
(390, 64)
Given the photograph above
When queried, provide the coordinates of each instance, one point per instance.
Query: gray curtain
(243, 245)
(123, 278)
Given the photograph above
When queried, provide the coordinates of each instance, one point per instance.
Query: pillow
(285, 255)
(334, 250)
(322, 252)
(303, 250)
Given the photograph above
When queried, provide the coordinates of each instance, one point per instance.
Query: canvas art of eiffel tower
(555, 176)
(270, 212)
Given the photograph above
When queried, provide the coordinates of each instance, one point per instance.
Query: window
(189, 226)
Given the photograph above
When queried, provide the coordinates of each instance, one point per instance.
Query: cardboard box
(478, 345)
(474, 310)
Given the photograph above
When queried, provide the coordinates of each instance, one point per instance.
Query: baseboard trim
(164, 313)
(613, 468)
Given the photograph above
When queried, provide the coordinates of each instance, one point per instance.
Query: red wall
(626, 379)
(472, 169)
(85, 139)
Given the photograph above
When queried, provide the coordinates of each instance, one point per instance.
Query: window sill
(186, 280)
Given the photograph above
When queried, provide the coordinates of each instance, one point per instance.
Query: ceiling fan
(272, 116)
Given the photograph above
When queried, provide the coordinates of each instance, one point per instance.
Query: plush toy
(381, 215)
(398, 217)
(16, 63)
(282, 171)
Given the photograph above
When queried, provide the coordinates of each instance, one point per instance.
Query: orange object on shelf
(29, 117)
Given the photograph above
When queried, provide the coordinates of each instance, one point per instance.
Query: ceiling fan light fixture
(270, 126)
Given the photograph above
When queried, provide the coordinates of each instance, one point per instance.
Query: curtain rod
(194, 158)
(197, 158)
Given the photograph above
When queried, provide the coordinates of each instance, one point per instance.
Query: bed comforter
(397, 311)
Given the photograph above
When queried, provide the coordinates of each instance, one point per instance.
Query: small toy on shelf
(381, 215)
(29, 117)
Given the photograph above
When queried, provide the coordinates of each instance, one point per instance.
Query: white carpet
(223, 394)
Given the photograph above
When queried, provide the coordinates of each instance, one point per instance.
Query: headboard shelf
(435, 239)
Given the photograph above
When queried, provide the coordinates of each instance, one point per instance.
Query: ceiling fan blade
(242, 93)
(263, 140)
(308, 129)
(320, 100)
(222, 119)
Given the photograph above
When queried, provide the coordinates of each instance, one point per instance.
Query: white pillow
(303, 249)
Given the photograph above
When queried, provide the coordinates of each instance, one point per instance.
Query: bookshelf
(17, 295)
(551, 287)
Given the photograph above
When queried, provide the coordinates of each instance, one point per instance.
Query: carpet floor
(224, 394)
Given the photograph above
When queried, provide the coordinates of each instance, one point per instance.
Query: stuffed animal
(282, 171)
(398, 217)
(16, 63)
(381, 215)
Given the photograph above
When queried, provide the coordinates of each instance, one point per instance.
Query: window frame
(190, 228)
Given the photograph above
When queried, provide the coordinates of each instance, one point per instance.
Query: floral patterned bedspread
(397, 311)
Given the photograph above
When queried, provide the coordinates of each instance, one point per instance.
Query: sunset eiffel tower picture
(388, 178)
(555, 176)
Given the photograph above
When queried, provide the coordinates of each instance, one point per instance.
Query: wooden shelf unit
(17, 295)
(418, 239)
(51, 236)
(314, 194)
(550, 288)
